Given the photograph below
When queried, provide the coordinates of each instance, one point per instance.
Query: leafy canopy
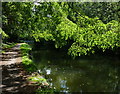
(86, 27)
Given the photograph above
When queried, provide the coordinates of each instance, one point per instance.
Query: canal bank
(15, 78)
(95, 73)
(88, 74)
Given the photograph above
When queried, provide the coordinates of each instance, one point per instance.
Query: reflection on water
(86, 74)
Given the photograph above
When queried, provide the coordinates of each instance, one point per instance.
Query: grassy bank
(7, 46)
(26, 61)
(31, 68)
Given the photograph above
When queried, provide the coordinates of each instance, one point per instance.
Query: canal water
(84, 74)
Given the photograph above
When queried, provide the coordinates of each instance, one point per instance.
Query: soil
(14, 77)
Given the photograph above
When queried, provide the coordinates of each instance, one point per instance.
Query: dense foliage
(86, 27)
(16, 19)
(4, 35)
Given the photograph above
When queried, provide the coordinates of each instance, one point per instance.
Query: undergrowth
(26, 61)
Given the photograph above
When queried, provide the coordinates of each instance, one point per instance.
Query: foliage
(15, 19)
(105, 11)
(28, 63)
(38, 79)
(25, 48)
(26, 60)
(30, 66)
(87, 34)
(96, 35)
(46, 91)
(4, 35)
(86, 27)
(8, 45)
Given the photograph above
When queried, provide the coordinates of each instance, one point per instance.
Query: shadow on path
(13, 75)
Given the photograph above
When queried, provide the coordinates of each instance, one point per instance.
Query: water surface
(85, 74)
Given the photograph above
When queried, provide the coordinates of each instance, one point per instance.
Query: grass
(25, 48)
(28, 64)
(8, 45)
(26, 61)
(39, 80)
(36, 78)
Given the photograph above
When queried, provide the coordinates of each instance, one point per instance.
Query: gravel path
(12, 56)
(13, 75)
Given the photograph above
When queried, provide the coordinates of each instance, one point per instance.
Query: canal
(85, 74)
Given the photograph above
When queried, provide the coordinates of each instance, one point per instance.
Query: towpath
(13, 75)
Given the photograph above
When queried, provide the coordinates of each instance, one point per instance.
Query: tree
(16, 19)
(87, 34)
(65, 23)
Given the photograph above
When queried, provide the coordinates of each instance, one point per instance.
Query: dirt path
(13, 75)
(11, 56)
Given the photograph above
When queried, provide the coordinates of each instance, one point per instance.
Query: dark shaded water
(86, 74)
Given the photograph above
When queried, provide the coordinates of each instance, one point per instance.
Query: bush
(25, 48)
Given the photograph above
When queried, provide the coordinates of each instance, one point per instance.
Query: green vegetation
(8, 45)
(84, 27)
(25, 48)
(81, 28)
(26, 61)
(4, 35)
(46, 91)
(39, 80)
(30, 66)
